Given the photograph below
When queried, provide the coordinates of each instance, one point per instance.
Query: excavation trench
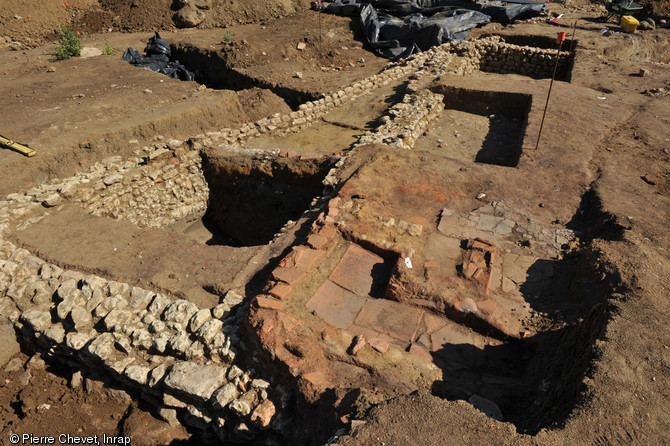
(481, 126)
(212, 70)
(253, 197)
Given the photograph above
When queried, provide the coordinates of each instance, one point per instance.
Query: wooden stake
(553, 76)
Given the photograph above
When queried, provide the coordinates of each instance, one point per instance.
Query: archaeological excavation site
(306, 223)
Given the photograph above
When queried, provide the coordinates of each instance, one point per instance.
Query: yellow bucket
(629, 23)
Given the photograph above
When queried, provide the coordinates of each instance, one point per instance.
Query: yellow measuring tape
(13, 145)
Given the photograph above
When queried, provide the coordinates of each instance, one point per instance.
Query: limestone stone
(123, 345)
(102, 347)
(198, 319)
(225, 395)
(116, 318)
(232, 298)
(179, 311)
(81, 317)
(189, 16)
(77, 340)
(179, 342)
(221, 310)
(52, 200)
(157, 326)
(56, 333)
(141, 338)
(234, 372)
(209, 330)
(160, 342)
(195, 379)
(157, 374)
(39, 320)
(120, 365)
(138, 373)
(244, 404)
(140, 298)
(117, 288)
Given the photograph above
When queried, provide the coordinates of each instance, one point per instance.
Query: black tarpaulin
(397, 28)
(157, 59)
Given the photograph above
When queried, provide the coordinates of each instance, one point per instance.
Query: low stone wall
(436, 58)
(406, 121)
(178, 357)
(494, 55)
(161, 188)
(404, 124)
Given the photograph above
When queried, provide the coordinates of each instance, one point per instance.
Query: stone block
(195, 379)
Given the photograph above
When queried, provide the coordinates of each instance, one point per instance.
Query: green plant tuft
(307, 33)
(108, 50)
(227, 37)
(70, 46)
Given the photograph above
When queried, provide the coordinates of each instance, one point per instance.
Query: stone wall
(183, 360)
(406, 121)
(178, 357)
(494, 55)
(436, 59)
(160, 188)
(404, 124)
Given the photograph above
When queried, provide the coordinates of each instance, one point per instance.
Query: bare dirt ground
(79, 111)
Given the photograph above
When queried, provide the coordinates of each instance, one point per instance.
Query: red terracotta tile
(357, 270)
(305, 257)
(335, 305)
(288, 275)
(394, 319)
(418, 351)
(317, 241)
(433, 323)
(269, 303)
(281, 290)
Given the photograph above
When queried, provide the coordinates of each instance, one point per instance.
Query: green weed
(70, 46)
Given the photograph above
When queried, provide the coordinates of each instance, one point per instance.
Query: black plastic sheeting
(157, 59)
(396, 29)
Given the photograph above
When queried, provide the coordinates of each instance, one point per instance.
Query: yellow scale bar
(27, 151)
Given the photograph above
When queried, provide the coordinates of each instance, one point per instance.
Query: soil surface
(79, 111)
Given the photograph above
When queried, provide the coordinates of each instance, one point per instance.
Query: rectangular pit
(253, 197)
(482, 126)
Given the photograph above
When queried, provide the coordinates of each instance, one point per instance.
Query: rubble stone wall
(178, 357)
(496, 56)
(309, 112)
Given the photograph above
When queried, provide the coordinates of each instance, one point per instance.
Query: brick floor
(359, 271)
(397, 320)
(335, 305)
